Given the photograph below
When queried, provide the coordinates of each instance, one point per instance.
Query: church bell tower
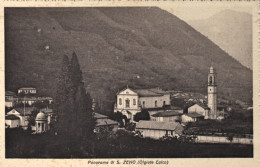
(212, 93)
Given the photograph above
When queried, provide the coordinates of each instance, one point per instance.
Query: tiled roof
(146, 92)
(194, 115)
(11, 117)
(105, 122)
(156, 125)
(167, 113)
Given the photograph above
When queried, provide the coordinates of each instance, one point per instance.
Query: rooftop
(156, 125)
(24, 111)
(194, 115)
(99, 116)
(167, 113)
(10, 93)
(11, 117)
(27, 88)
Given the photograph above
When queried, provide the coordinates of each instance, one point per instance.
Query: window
(120, 101)
(134, 102)
(164, 103)
(143, 103)
(155, 103)
(172, 132)
(127, 103)
(210, 80)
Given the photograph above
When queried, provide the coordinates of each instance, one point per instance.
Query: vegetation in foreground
(20, 144)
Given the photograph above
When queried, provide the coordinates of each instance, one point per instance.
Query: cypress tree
(76, 73)
(63, 99)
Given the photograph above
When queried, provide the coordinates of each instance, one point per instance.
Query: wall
(150, 101)
(167, 119)
(185, 118)
(155, 134)
(13, 123)
(198, 109)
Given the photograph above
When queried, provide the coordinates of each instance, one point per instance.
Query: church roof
(156, 125)
(167, 113)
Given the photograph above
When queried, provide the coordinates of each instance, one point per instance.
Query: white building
(12, 121)
(191, 117)
(23, 115)
(156, 130)
(41, 123)
(167, 116)
(201, 109)
(131, 101)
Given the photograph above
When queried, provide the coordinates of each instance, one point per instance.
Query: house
(31, 100)
(103, 122)
(167, 116)
(23, 114)
(12, 121)
(10, 99)
(191, 117)
(131, 101)
(156, 130)
(201, 109)
(27, 90)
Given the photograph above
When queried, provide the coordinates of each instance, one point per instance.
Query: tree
(143, 115)
(76, 74)
(63, 98)
(75, 121)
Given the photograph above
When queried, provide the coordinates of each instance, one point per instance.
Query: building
(212, 93)
(41, 123)
(10, 99)
(131, 101)
(12, 121)
(191, 117)
(104, 123)
(201, 109)
(167, 116)
(23, 114)
(157, 130)
(31, 100)
(27, 91)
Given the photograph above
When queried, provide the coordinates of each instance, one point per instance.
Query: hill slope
(141, 47)
(230, 30)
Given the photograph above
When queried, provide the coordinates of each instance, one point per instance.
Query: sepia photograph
(128, 82)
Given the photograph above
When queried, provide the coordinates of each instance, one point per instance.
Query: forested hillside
(142, 47)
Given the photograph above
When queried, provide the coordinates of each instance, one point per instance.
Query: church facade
(131, 101)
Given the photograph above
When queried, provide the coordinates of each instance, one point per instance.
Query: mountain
(139, 46)
(231, 31)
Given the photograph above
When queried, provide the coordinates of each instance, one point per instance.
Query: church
(131, 101)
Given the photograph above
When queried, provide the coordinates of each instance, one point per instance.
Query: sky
(198, 12)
